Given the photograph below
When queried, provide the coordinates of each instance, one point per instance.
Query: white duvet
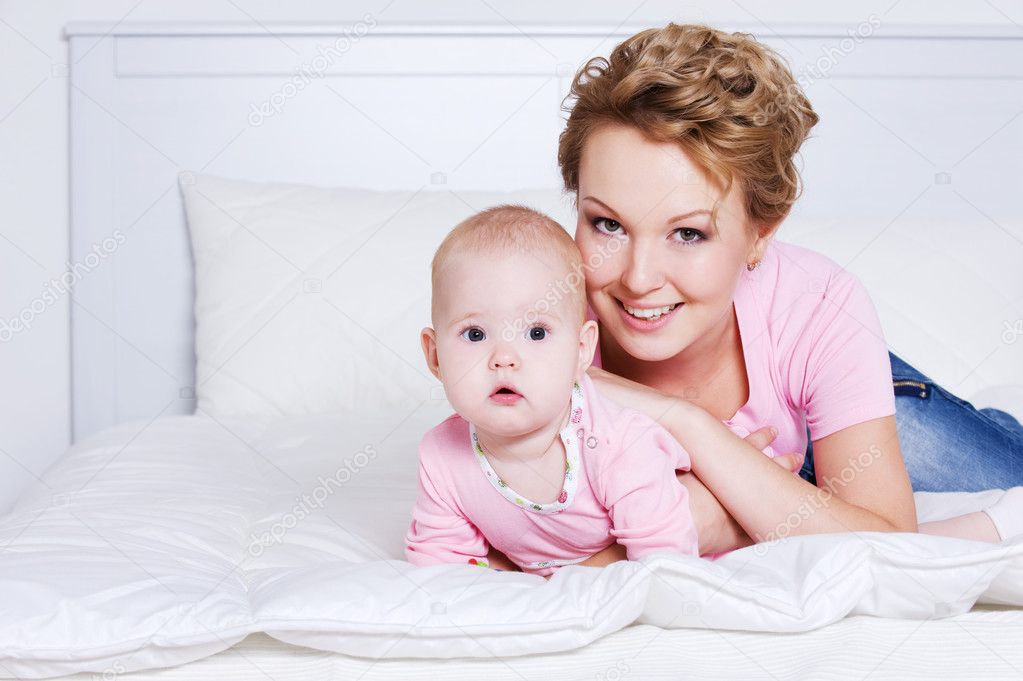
(153, 544)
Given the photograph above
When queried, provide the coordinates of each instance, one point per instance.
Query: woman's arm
(863, 485)
(717, 530)
(863, 465)
(764, 499)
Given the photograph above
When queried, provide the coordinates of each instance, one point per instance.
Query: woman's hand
(761, 438)
(717, 530)
(878, 499)
(628, 393)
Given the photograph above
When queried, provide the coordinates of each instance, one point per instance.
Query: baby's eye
(474, 334)
(538, 333)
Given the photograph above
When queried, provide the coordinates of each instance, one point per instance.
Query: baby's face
(506, 342)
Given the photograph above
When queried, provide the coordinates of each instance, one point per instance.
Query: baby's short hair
(508, 229)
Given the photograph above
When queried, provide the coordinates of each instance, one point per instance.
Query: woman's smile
(647, 318)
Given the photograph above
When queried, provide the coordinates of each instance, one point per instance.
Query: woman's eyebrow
(602, 205)
(675, 218)
(692, 213)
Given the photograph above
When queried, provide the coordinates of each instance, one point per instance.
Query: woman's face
(646, 236)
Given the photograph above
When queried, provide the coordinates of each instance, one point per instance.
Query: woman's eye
(537, 333)
(689, 236)
(474, 334)
(609, 226)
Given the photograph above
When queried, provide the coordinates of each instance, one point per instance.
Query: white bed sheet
(160, 543)
(983, 643)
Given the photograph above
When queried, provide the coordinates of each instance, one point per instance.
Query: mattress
(189, 542)
(983, 643)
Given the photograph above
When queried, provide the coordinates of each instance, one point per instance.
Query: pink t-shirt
(619, 485)
(815, 354)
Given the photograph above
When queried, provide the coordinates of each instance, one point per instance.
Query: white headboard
(460, 107)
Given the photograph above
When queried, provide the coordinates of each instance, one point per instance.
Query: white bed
(975, 645)
(448, 110)
(167, 544)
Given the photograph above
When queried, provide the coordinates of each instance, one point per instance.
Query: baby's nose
(504, 357)
(503, 361)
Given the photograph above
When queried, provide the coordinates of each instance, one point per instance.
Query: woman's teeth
(649, 313)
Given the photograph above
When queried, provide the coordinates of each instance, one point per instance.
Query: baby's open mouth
(505, 395)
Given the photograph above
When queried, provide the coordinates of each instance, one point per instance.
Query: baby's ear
(588, 337)
(428, 338)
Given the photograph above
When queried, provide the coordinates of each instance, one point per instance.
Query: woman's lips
(645, 325)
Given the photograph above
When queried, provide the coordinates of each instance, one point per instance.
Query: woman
(680, 150)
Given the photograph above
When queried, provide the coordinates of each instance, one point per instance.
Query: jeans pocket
(911, 388)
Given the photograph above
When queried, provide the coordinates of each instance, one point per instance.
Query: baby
(535, 463)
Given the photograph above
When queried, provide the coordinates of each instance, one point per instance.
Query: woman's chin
(650, 349)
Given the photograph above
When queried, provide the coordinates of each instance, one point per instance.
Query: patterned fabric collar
(569, 437)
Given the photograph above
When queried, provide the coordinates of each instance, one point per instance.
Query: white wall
(34, 365)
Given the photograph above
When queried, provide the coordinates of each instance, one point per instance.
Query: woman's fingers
(763, 437)
(792, 462)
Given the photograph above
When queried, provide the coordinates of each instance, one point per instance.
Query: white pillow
(310, 300)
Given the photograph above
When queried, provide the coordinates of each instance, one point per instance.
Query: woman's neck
(695, 373)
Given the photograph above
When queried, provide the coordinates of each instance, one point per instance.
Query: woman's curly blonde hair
(728, 100)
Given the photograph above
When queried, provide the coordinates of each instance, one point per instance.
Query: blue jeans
(948, 445)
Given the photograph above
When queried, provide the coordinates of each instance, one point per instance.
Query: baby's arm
(439, 532)
(649, 509)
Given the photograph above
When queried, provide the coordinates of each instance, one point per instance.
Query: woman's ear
(588, 336)
(429, 340)
(765, 232)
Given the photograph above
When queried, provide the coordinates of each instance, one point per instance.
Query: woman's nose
(642, 271)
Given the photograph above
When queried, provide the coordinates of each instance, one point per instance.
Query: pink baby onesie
(619, 485)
